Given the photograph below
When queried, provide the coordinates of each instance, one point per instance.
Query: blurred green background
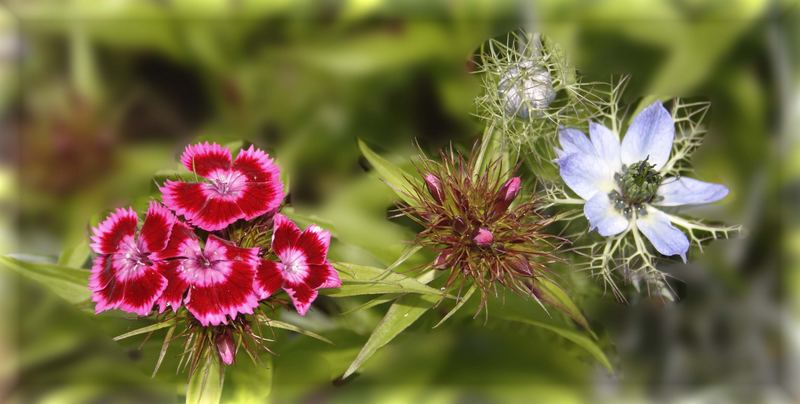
(96, 97)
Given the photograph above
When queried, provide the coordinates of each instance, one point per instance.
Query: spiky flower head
(481, 239)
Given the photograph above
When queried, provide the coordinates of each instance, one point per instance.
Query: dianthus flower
(302, 265)
(244, 188)
(127, 273)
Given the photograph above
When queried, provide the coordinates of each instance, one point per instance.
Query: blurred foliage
(99, 96)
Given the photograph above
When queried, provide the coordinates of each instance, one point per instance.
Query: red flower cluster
(174, 263)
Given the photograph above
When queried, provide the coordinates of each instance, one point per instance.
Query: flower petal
(665, 237)
(216, 214)
(176, 286)
(134, 293)
(302, 296)
(235, 295)
(606, 143)
(258, 198)
(603, 216)
(203, 158)
(574, 141)
(314, 242)
(323, 276)
(585, 175)
(108, 234)
(179, 233)
(689, 191)
(284, 234)
(649, 136)
(268, 278)
(157, 227)
(184, 198)
(258, 166)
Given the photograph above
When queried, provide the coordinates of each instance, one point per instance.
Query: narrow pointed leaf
(144, 330)
(292, 327)
(404, 312)
(68, 283)
(397, 178)
(458, 305)
(75, 255)
(163, 352)
(553, 295)
(578, 339)
(364, 280)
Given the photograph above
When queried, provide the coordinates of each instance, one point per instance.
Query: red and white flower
(244, 188)
(303, 266)
(126, 273)
(213, 282)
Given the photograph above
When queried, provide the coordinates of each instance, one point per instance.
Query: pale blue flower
(623, 184)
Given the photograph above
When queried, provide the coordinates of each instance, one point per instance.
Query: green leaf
(463, 300)
(580, 340)
(205, 385)
(68, 283)
(394, 176)
(553, 295)
(147, 329)
(250, 382)
(404, 312)
(75, 255)
(364, 280)
(292, 327)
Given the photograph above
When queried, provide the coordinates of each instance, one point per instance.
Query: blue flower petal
(585, 175)
(649, 136)
(689, 191)
(606, 143)
(603, 217)
(665, 237)
(574, 141)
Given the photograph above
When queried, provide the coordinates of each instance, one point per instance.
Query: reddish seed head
(225, 347)
(468, 221)
(483, 238)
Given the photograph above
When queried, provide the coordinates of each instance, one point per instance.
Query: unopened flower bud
(434, 187)
(442, 260)
(484, 237)
(225, 347)
(508, 192)
(459, 226)
(520, 265)
(526, 89)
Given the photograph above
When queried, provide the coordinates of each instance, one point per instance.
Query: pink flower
(303, 266)
(214, 282)
(126, 274)
(245, 188)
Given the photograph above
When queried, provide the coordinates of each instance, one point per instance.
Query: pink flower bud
(484, 237)
(225, 347)
(434, 187)
(508, 192)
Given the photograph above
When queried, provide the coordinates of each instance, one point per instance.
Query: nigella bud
(526, 89)
(484, 237)
(225, 347)
(434, 187)
(508, 192)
